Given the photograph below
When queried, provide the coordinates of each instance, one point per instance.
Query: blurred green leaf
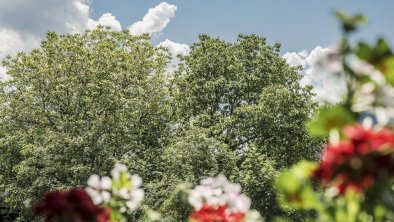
(295, 189)
(329, 118)
(364, 51)
(380, 56)
(388, 70)
(349, 23)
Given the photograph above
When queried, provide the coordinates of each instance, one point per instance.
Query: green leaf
(350, 23)
(388, 70)
(295, 188)
(363, 51)
(329, 118)
(380, 56)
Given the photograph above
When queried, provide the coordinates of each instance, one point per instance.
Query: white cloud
(327, 86)
(106, 19)
(12, 42)
(175, 49)
(23, 23)
(38, 17)
(155, 20)
(296, 58)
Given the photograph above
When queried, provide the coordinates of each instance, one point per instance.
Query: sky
(305, 28)
(298, 25)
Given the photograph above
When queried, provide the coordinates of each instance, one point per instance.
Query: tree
(188, 159)
(257, 176)
(81, 102)
(246, 96)
(245, 93)
(75, 106)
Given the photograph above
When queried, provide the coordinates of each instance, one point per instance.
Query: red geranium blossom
(73, 205)
(358, 162)
(216, 214)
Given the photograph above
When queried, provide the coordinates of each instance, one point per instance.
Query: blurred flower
(73, 205)
(357, 163)
(215, 214)
(375, 95)
(117, 170)
(99, 188)
(127, 187)
(217, 197)
(123, 190)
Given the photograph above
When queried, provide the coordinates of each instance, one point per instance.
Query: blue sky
(306, 29)
(298, 25)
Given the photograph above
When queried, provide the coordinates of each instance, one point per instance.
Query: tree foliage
(75, 106)
(81, 102)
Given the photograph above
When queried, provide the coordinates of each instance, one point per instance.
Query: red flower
(216, 214)
(357, 163)
(74, 205)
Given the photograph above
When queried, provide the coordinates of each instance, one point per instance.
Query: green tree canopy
(246, 93)
(81, 102)
(75, 106)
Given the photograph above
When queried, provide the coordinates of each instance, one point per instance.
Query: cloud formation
(11, 42)
(326, 86)
(37, 17)
(175, 50)
(155, 20)
(106, 19)
(23, 23)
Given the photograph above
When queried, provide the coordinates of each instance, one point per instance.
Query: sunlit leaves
(81, 102)
(330, 118)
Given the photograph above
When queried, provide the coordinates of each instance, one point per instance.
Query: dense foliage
(82, 102)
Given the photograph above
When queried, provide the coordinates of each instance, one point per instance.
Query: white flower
(98, 188)
(219, 191)
(375, 97)
(123, 188)
(136, 180)
(118, 168)
(128, 191)
(134, 198)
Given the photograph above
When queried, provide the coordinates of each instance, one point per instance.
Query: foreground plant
(354, 180)
(72, 205)
(105, 199)
(121, 193)
(359, 162)
(218, 200)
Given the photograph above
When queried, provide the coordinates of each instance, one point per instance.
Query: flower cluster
(73, 205)
(358, 162)
(375, 95)
(217, 199)
(121, 191)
